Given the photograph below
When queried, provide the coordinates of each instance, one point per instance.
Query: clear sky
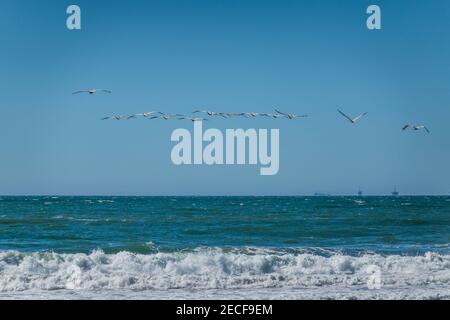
(175, 56)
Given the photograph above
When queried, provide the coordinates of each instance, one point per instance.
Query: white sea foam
(217, 273)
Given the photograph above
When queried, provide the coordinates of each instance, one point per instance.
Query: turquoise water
(407, 225)
(225, 247)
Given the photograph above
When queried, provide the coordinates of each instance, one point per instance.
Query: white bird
(290, 116)
(92, 91)
(415, 128)
(354, 120)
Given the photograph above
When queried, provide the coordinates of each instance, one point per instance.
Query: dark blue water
(402, 225)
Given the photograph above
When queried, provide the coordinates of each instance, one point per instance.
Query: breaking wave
(215, 268)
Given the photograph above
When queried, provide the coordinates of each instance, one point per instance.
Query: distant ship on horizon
(360, 193)
(395, 192)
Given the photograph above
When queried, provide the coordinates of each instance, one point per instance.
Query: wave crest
(214, 268)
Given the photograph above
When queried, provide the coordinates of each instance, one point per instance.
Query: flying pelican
(234, 114)
(269, 115)
(148, 114)
(415, 128)
(272, 115)
(354, 120)
(290, 116)
(114, 117)
(167, 116)
(92, 91)
(250, 114)
(144, 114)
(211, 113)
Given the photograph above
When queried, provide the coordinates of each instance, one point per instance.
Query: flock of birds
(226, 115)
(277, 114)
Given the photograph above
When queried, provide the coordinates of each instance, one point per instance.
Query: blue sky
(302, 56)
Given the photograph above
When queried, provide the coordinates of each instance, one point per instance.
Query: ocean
(224, 247)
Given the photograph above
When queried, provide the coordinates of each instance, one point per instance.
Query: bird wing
(423, 127)
(406, 126)
(103, 90)
(346, 116)
(359, 117)
(80, 91)
(279, 112)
